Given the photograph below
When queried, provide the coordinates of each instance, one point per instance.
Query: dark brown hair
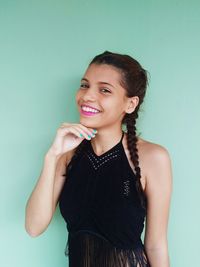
(134, 80)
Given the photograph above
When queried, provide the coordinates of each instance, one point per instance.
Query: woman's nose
(89, 94)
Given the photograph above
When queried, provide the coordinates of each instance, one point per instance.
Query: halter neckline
(108, 151)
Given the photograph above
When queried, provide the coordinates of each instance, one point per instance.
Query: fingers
(89, 132)
(63, 131)
(77, 129)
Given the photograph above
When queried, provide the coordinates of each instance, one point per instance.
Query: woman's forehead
(102, 73)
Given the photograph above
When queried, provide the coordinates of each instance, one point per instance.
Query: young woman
(106, 180)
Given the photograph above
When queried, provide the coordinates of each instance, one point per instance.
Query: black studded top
(100, 205)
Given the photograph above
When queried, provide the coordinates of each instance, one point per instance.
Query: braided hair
(134, 80)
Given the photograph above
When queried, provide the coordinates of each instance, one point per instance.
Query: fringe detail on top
(92, 250)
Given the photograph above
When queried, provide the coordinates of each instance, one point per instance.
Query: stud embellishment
(99, 161)
(126, 187)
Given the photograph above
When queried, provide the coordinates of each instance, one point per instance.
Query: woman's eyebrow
(85, 79)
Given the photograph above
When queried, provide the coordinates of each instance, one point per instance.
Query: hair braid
(133, 149)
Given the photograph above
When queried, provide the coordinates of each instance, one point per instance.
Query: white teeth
(89, 109)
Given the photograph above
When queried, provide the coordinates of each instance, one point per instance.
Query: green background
(45, 49)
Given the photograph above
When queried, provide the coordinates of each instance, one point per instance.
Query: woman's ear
(132, 104)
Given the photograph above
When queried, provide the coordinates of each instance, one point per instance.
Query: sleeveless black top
(102, 211)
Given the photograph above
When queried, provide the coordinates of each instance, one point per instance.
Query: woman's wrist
(51, 156)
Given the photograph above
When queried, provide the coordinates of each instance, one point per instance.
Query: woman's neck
(104, 140)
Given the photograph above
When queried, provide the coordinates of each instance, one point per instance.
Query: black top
(101, 207)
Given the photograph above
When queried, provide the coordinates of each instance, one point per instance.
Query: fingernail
(89, 136)
(94, 130)
(81, 135)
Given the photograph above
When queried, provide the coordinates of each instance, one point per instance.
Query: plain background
(45, 47)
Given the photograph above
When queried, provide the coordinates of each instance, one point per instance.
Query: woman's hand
(69, 136)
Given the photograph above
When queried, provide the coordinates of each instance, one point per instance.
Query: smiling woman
(107, 195)
(114, 181)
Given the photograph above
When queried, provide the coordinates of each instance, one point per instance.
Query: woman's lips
(88, 113)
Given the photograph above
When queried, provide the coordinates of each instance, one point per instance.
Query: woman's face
(100, 89)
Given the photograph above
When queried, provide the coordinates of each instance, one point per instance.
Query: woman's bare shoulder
(152, 154)
(149, 148)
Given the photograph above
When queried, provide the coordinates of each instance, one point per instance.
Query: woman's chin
(86, 122)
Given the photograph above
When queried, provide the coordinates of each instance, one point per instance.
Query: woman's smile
(86, 111)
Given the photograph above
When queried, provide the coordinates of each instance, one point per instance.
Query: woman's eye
(107, 91)
(82, 85)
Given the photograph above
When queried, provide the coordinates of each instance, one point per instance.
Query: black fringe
(91, 250)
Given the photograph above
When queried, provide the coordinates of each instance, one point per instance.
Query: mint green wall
(45, 47)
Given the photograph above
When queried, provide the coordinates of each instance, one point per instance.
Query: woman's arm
(158, 190)
(42, 201)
